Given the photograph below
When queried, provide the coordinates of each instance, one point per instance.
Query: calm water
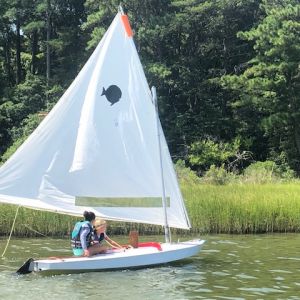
(229, 267)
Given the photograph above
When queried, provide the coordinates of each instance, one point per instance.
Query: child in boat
(83, 236)
(100, 235)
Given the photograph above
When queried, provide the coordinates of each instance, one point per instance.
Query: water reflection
(229, 267)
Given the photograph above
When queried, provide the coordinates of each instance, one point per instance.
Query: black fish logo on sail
(113, 94)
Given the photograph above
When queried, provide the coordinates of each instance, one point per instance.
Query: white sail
(98, 147)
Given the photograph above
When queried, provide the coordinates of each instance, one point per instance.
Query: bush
(218, 175)
(267, 171)
(204, 153)
(20, 134)
(185, 174)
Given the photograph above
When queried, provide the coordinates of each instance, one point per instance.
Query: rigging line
(27, 226)
(11, 231)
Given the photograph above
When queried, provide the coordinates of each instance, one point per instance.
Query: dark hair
(89, 216)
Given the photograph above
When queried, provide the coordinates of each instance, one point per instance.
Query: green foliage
(25, 99)
(270, 85)
(267, 171)
(282, 165)
(53, 94)
(19, 134)
(203, 154)
(218, 175)
(185, 174)
(186, 48)
(159, 70)
(11, 150)
(260, 172)
(100, 15)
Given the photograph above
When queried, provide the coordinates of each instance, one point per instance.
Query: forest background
(227, 73)
(228, 79)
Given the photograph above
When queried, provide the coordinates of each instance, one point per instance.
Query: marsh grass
(234, 208)
(34, 223)
(244, 208)
(31, 222)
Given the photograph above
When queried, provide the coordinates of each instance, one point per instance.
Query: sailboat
(102, 148)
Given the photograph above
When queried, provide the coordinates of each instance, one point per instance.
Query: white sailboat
(102, 148)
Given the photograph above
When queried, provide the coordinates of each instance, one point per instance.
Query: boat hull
(119, 259)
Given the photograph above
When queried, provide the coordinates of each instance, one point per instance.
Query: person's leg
(97, 248)
(78, 251)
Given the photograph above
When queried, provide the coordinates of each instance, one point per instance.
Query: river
(228, 267)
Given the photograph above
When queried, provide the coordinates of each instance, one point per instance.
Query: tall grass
(234, 208)
(33, 222)
(244, 208)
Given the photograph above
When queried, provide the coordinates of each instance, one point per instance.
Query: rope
(33, 230)
(11, 231)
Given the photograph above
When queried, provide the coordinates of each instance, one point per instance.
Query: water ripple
(244, 276)
(262, 291)
(281, 271)
(290, 258)
(229, 267)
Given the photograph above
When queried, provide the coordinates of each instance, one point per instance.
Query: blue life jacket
(75, 236)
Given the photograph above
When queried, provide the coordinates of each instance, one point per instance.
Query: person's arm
(83, 234)
(112, 242)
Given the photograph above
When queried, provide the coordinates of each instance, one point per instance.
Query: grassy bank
(212, 209)
(31, 223)
(244, 208)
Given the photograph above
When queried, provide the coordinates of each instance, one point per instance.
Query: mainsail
(97, 149)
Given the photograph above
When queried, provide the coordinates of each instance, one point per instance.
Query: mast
(120, 9)
(164, 202)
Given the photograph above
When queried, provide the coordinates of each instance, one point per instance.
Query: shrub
(204, 153)
(185, 174)
(267, 171)
(20, 134)
(218, 175)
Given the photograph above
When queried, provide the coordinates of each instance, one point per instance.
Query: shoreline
(233, 209)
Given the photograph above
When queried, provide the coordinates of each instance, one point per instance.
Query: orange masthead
(127, 25)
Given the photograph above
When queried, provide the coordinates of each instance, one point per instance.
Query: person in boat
(100, 236)
(83, 236)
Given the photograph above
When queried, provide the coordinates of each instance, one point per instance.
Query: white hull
(116, 259)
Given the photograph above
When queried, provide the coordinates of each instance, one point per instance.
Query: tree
(200, 45)
(271, 85)
(185, 46)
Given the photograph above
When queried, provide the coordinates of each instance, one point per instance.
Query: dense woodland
(227, 72)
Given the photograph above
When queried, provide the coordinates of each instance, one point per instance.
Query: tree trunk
(18, 52)
(297, 136)
(34, 45)
(7, 63)
(48, 40)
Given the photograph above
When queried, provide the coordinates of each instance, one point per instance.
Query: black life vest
(100, 238)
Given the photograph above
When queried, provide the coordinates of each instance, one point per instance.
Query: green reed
(244, 208)
(31, 223)
(236, 208)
